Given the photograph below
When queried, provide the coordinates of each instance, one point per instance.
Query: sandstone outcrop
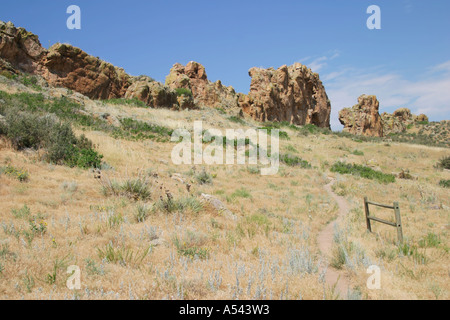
(72, 68)
(152, 93)
(294, 94)
(363, 118)
(399, 121)
(206, 93)
(66, 66)
(19, 49)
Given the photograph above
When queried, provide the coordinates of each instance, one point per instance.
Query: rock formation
(400, 120)
(152, 93)
(66, 66)
(19, 49)
(363, 118)
(206, 93)
(294, 94)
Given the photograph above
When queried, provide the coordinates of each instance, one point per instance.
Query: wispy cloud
(318, 63)
(429, 95)
(408, 6)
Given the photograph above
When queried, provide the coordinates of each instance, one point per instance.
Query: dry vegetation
(137, 232)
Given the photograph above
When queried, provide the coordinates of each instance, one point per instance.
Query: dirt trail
(325, 241)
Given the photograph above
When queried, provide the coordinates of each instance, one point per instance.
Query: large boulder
(294, 94)
(363, 118)
(205, 93)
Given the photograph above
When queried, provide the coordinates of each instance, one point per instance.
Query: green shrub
(444, 183)
(358, 153)
(236, 120)
(362, 171)
(183, 92)
(294, 161)
(26, 130)
(33, 131)
(444, 163)
(139, 130)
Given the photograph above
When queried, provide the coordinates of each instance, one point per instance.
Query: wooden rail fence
(397, 224)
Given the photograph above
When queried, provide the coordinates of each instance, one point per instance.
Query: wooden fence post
(398, 221)
(366, 208)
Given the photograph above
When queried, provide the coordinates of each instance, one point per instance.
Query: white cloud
(318, 63)
(429, 95)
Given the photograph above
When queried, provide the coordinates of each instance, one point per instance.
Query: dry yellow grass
(268, 252)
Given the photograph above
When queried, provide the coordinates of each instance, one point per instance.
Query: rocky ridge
(294, 94)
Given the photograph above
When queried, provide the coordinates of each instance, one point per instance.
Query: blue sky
(406, 63)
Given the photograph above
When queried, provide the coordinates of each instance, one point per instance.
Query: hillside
(140, 227)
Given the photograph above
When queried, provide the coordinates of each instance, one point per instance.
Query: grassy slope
(268, 252)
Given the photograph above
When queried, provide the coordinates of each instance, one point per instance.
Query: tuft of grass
(22, 213)
(241, 193)
(362, 171)
(123, 255)
(170, 205)
(409, 250)
(192, 245)
(204, 178)
(142, 213)
(339, 258)
(253, 170)
(19, 174)
(136, 189)
(432, 240)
